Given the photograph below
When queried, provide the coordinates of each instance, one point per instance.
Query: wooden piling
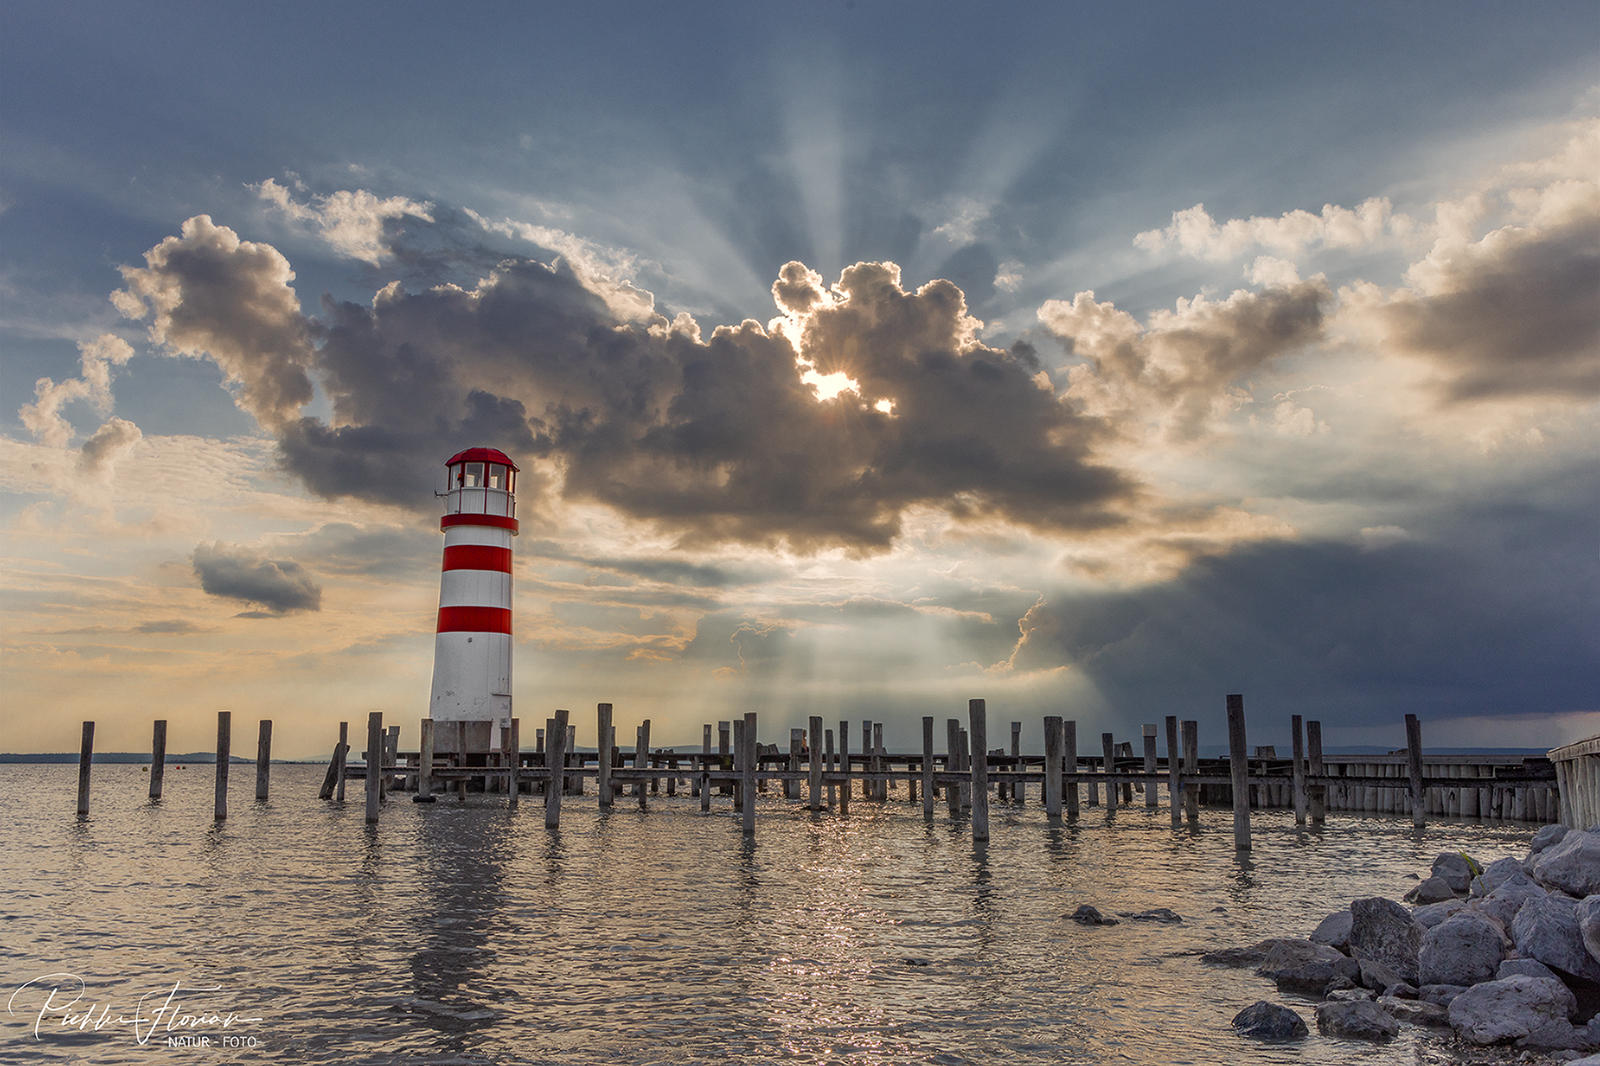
(224, 753)
(1108, 747)
(85, 761)
(555, 757)
(1174, 774)
(830, 764)
(844, 765)
(1019, 792)
(725, 753)
(158, 757)
(1240, 770)
(513, 761)
(964, 754)
(749, 780)
(572, 784)
(1052, 767)
(791, 788)
(880, 789)
(1419, 815)
(705, 768)
(374, 764)
(391, 755)
(344, 760)
(602, 714)
(1150, 789)
(1191, 765)
(927, 766)
(1299, 771)
(952, 762)
(816, 761)
(866, 757)
(641, 760)
(263, 757)
(425, 760)
(1069, 753)
(979, 732)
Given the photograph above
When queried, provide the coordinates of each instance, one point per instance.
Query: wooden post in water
(725, 754)
(844, 765)
(927, 766)
(344, 758)
(1052, 767)
(979, 732)
(965, 755)
(1150, 788)
(641, 760)
(880, 789)
(1299, 753)
(1419, 816)
(1174, 775)
(952, 762)
(425, 760)
(85, 760)
(263, 757)
(603, 745)
(1108, 748)
(224, 754)
(749, 768)
(867, 751)
(738, 763)
(791, 789)
(158, 757)
(705, 768)
(1191, 766)
(374, 764)
(1069, 752)
(391, 755)
(555, 758)
(830, 764)
(1317, 796)
(1019, 791)
(816, 762)
(1240, 770)
(514, 764)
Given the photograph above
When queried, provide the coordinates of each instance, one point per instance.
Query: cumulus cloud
(43, 417)
(353, 221)
(278, 586)
(1176, 371)
(213, 295)
(1194, 232)
(715, 439)
(109, 443)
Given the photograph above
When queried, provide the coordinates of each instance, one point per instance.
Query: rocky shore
(1504, 959)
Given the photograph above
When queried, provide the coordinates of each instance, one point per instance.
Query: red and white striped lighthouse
(472, 651)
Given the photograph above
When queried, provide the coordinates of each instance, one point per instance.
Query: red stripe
(498, 521)
(477, 557)
(474, 620)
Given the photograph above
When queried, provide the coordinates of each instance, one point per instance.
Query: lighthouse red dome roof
(481, 455)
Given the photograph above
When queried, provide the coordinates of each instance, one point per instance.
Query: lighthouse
(472, 648)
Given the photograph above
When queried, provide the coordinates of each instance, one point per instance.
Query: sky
(860, 358)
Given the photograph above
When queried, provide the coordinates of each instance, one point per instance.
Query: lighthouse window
(497, 476)
(474, 475)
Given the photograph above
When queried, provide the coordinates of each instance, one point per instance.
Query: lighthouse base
(465, 738)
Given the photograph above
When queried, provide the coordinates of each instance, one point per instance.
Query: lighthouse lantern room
(472, 645)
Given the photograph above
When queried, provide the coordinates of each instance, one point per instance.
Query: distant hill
(127, 757)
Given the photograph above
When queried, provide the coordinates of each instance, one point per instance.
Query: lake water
(473, 935)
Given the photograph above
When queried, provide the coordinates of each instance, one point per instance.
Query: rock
(1376, 975)
(1432, 914)
(1433, 890)
(1269, 1021)
(1572, 865)
(1292, 954)
(1334, 930)
(1589, 924)
(1461, 950)
(1556, 1036)
(1382, 931)
(1506, 900)
(1440, 994)
(1545, 837)
(1087, 915)
(1415, 1011)
(1315, 978)
(1456, 870)
(1250, 956)
(1499, 1011)
(1546, 928)
(1525, 967)
(1355, 1019)
(1159, 914)
(1495, 874)
(1400, 991)
(1352, 993)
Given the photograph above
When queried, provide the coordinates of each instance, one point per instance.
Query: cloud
(1177, 370)
(714, 439)
(215, 295)
(279, 586)
(43, 417)
(1194, 232)
(353, 222)
(109, 443)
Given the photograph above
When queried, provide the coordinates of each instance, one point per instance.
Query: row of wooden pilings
(741, 767)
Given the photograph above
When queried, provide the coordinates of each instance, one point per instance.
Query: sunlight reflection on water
(474, 935)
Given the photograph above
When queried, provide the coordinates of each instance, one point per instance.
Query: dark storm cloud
(1520, 318)
(279, 586)
(716, 440)
(1493, 614)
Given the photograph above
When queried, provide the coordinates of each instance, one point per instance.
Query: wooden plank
(263, 757)
(158, 757)
(224, 754)
(1236, 762)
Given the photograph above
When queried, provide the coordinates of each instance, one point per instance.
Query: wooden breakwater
(1578, 774)
(820, 767)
